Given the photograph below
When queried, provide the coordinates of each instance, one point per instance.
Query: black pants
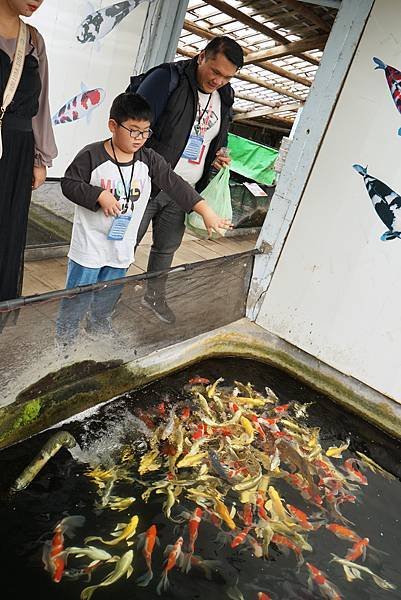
(167, 231)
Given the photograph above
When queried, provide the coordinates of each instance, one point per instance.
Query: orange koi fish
(247, 514)
(343, 532)
(300, 517)
(282, 540)
(185, 413)
(353, 473)
(282, 408)
(147, 541)
(263, 596)
(327, 589)
(357, 550)
(193, 530)
(53, 560)
(240, 538)
(199, 432)
(173, 556)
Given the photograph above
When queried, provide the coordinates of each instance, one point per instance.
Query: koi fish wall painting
(393, 77)
(386, 203)
(79, 106)
(99, 23)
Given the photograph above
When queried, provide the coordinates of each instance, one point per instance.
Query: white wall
(106, 63)
(336, 291)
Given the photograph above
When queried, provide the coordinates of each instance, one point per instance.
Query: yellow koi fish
(150, 462)
(191, 460)
(123, 567)
(123, 531)
(222, 511)
(336, 452)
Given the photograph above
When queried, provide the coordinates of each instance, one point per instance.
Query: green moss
(29, 413)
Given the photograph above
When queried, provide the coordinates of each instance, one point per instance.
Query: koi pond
(196, 487)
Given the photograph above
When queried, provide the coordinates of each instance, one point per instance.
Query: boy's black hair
(130, 106)
(228, 47)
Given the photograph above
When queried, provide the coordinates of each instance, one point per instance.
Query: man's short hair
(231, 50)
(130, 106)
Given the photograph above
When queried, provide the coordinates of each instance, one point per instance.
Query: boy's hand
(110, 206)
(212, 221)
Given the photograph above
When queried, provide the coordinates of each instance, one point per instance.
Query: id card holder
(119, 227)
(193, 148)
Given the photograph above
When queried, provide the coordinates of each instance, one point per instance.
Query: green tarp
(252, 160)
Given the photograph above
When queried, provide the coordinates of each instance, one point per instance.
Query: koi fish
(283, 541)
(123, 567)
(263, 596)
(393, 77)
(300, 517)
(336, 451)
(353, 473)
(386, 203)
(343, 532)
(99, 24)
(123, 531)
(193, 530)
(357, 550)
(95, 554)
(353, 571)
(173, 556)
(327, 589)
(147, 541)
(79, 106)
(222, 511)
(374, 467)
(52, 557)
(240, 538)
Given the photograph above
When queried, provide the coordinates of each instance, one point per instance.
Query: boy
(111, 181)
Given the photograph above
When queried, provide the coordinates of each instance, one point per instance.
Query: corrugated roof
(291, 35)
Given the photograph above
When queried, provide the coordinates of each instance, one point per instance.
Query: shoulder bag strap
(15, 75)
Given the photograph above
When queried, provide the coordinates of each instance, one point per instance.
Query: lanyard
(127, 195)
(201, 115)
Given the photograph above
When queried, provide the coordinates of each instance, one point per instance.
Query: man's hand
(109, 204)
(211, 220)
(38, 177)
(221, 160)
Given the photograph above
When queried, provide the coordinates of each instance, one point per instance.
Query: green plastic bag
(217, 195)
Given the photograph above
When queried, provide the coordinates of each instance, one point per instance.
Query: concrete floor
(48, 275)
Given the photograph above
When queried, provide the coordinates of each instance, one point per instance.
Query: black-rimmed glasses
(136, 134)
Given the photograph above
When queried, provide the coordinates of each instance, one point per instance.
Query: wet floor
(28, 518)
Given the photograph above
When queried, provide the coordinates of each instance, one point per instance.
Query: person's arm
(76, 186)
(182, 193)
(155, 90)
(45, 145)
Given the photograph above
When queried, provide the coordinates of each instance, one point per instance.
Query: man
(192, 103)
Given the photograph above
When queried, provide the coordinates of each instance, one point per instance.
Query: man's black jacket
(176, 110)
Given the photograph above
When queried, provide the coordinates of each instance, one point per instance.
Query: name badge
(119, 227)
(193, 148)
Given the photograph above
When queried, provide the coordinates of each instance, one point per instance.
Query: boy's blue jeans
(100, 302)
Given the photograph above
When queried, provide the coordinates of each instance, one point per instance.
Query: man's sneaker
(160, 308)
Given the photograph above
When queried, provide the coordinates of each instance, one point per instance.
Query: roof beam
(265, 112)
(250, 78)
(255, 99)
(268, 66)
(287, 49)
(285, 127)
(309, 13)
(328, 3)
(250, 22)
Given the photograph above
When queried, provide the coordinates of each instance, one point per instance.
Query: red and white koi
(173, 555)
(147, 542)
(301, 518)
(327, 589)
(53, 559)
(193, 530)
(353, 473)
(240, 538)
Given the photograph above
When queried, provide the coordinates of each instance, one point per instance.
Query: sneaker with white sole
(159, 307)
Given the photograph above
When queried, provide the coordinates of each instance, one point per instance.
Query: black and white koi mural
(386, 203)
(99, 23)
(393, 78)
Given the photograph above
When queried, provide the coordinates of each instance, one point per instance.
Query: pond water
(28, 518)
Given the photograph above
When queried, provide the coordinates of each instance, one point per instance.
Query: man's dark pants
(168, 229)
